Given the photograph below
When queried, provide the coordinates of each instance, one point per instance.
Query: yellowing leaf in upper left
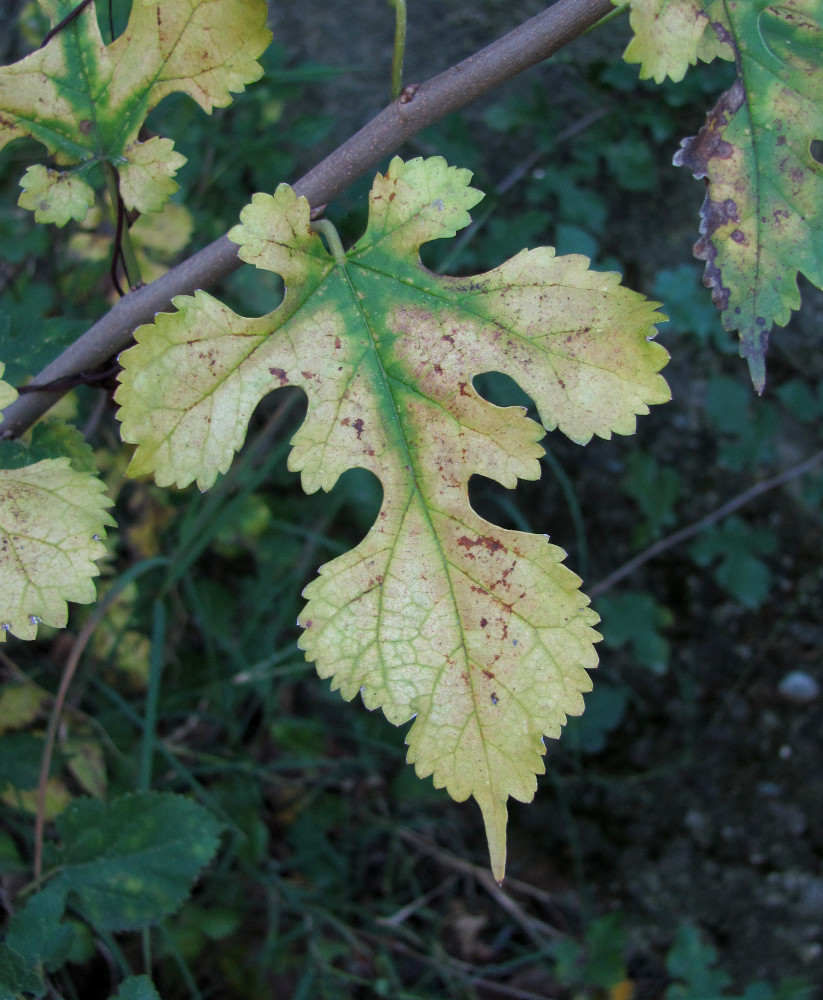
(86, 101)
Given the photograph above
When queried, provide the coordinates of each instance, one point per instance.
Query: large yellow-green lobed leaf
(762, 219)
(479, 634)
(52, 525)
(86, 101)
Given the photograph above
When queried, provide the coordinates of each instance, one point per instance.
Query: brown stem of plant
(684, 534)
(69, 671)
(538, 931)
(471, 974)
(72, 14)
(529, 44)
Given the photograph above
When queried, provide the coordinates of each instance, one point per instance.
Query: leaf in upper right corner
(761, 221)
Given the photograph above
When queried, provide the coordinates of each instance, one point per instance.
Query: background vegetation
(680, 823)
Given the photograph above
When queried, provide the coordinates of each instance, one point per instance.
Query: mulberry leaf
(762, 220)
(479, 634)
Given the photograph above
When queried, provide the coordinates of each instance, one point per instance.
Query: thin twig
(513, 177)
(69, 671)
(117, 249)
(411, 908)
(487, 881)
(62, 385)
(72, 14)
(684, 534)
(452, 965)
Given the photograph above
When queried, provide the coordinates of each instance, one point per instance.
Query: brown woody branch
(417, 107)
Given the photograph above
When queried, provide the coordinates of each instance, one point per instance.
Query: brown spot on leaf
(85, 126)
(723, 34)
(280, 375)
(696, 151)
(486, 541)
(704, 249)
(484, 622)
(713, 215)
(488, 674)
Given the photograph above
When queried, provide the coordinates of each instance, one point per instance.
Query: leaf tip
(495, 819)
(753, 346)
(757, 371)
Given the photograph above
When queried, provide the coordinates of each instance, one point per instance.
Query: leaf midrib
(412, 466)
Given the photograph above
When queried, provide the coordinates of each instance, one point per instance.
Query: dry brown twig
(538, 931)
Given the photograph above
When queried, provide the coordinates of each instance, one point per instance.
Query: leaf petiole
(123, 246)
(65, 22)
(326, 229)
(399, 48)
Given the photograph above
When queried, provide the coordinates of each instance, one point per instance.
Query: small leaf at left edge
(52, 525)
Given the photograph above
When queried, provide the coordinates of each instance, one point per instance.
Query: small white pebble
(799, 687)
